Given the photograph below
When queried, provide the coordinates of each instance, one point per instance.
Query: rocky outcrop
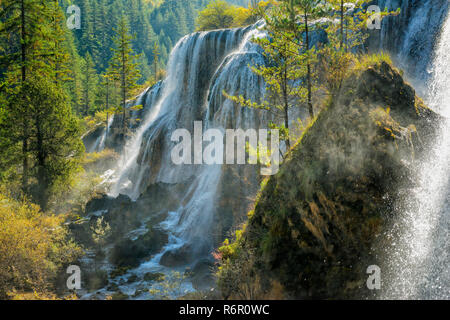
(314, 226)
(91, 139)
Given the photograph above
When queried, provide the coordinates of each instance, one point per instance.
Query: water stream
(419, 261)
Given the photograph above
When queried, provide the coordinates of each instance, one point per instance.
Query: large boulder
(316, 222)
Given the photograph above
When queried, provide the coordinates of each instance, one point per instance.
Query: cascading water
(201, 67)
(131, 150)
(411, 36)
(105, 135)
(181, 102)
(100, 142)
(418, 264)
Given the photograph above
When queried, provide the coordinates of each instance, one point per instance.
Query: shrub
(33, 247)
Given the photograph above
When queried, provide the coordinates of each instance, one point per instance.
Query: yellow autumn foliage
(33, 248)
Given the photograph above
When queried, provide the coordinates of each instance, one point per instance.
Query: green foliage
(217, 15)
(124, 67)
(39, 134)
(89, 83)
(52, 137)
(168, 286)
(288, 63)
(370, 60)
(220, 14)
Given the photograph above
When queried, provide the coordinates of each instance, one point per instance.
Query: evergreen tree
(59, 58)
(36, 116)
(283, 73)
(124, 67)
(89, 83)
(55, 144)
(156, 54)
(24, 23)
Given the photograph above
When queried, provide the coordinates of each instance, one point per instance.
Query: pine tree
(89, 83)
(36, 116)
(55, 143)
(59, 58)
(283, 72)
(123, 67)
(156, 54)
(24, 24)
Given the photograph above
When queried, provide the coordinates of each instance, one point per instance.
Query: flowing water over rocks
(196, 206)
(418, 263)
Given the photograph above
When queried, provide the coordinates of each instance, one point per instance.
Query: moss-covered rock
(314, 226)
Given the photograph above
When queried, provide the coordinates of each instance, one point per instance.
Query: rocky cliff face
(314, 226)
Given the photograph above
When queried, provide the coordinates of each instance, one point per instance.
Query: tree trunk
(107, 94)
(124, 91)
(23, 69)
(41, 175)
(342, 24)
(308, 66)
(286, 109)
(156, 69)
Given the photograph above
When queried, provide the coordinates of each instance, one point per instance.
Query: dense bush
(34, 247)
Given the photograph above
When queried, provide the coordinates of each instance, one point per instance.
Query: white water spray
(419, 262)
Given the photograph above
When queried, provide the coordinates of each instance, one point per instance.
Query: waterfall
(102, 143)
(201, 66)
(179, 101)
(411, 36)
(418, 264)
(130, 153)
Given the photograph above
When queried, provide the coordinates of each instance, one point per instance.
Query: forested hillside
(57, 83)
(155, 27)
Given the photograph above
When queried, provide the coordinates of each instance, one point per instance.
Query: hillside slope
(316, 222)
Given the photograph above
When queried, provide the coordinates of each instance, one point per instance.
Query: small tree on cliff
(124, 68)
(285, 69)
(345, 39)
(305, 10)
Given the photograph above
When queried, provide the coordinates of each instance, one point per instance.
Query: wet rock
(176, 258)
(113, 287)
(95, 280)
(151, 276)
(316, 222)
(104, 202)
(203, 275)
(132, 278)
(90, 139)
(119, 296)
(129, 253)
